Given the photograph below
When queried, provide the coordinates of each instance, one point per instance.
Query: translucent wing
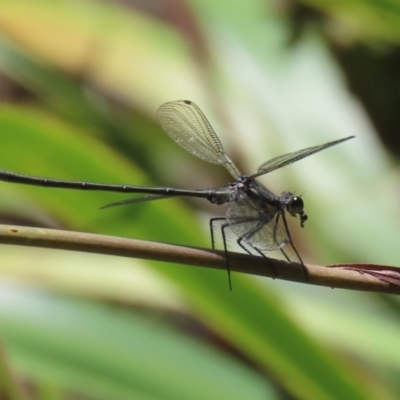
(255, 226)
(286, 159)
(186, 124)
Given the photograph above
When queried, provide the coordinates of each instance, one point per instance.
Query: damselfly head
(294, 205)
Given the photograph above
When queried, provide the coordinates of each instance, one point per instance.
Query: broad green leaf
(97, 351)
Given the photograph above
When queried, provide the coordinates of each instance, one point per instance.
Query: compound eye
(296, 205)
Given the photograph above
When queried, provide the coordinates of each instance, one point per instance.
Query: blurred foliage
(80, 83)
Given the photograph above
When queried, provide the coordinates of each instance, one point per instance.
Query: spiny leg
(294, 248)
(275, 239)
(285, 255)
(246, 239)
(240, 242)
(223, 227)
(212, 231)
(246, 247)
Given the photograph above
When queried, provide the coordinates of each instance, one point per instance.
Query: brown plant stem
(346, 276)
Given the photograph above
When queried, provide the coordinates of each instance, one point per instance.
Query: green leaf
(97, 351)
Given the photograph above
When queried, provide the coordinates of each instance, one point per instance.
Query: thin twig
(346, 276)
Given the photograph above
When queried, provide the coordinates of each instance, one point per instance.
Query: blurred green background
(80, 83)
